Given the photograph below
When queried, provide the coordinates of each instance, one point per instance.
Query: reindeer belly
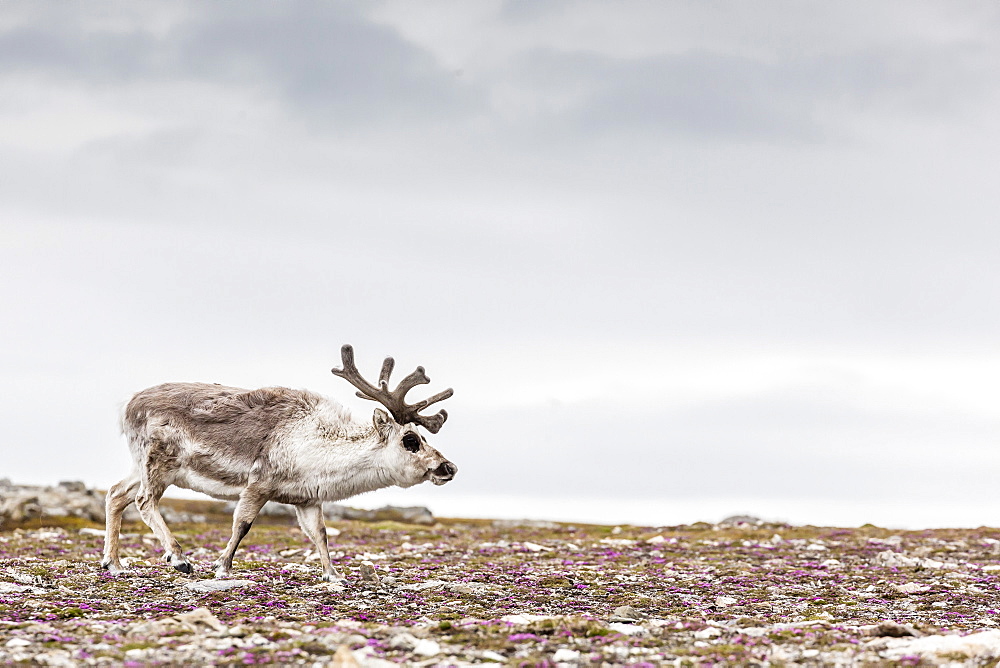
(204, 469)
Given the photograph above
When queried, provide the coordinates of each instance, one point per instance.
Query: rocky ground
(465, 592)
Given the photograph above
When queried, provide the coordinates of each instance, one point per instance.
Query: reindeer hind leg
(155, 480)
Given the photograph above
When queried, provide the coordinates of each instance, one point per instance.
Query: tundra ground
(465, 592)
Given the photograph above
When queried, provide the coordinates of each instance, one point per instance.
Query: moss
(68, 613)
(556, 581)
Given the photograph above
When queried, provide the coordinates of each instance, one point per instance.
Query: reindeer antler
(395, 400)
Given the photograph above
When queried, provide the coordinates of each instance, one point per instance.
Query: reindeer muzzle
(443, 473)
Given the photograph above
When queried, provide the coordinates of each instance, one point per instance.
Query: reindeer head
(416, 460)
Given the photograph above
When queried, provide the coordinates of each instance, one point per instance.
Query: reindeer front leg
(119, 496)
(311, 520)
(250, 503)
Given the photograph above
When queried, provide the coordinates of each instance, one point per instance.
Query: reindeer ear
(383, 423)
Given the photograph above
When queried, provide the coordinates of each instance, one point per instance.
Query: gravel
(468, 592)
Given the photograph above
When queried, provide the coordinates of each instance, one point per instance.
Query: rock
(888, 629)
(627, 629)
(427, 647)
(68, 499)
(910, 588)
(344, 658)
(171, 516)
(565, 654)
(207, 586)
(896, 559)
(725, 601)
(490, 655)
(406, 515)
(467, 588)
(625, 613)
(405, 641)
(200, 617)
(18, 642)
(368, 573)
(11, 588)
(73, 486)
(985, 644)
(738, 520)
(708, 632)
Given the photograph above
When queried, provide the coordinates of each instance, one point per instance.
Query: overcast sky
(675, 258)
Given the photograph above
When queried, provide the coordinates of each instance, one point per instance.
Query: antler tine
(351, 374)
(418, 377)
(440, 396)
(383, 376)
(432, 423)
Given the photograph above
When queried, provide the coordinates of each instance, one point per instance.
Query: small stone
(11, 588)
(208, 586)
(404, 641)
(627, 629)
(368, 573)
(490, 655)
(626, 613)
(888, 629)
(344, 658)
(890, 558)
(427, 647)
(564, 654)
(201, 616)
(336, 586)
(708, 632)
(725, 601)
(910, 588)
(14, 643)
(737, 520)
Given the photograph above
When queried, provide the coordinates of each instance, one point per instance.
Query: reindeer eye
(411, 442)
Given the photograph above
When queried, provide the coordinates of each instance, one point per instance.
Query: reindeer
(270, 444)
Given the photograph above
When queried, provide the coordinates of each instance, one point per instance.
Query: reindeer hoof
(112, 567)
(184, 567)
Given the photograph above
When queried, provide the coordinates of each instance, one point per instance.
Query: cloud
(318, 59)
